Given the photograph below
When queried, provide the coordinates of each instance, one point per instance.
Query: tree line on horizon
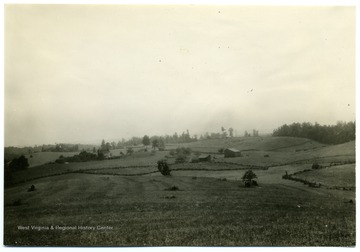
(329, 134)
(342, 132)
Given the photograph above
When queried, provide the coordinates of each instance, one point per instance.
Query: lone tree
(248, 178)
(129, 151)
(146, 140)
(231, 132)
(163, 168)
(223, 130)
(155, 143)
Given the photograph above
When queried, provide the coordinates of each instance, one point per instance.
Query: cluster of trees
(224, 133)
(81, 157)
(156, 142)
(12, 152)
(60, 147)
(184, 137)
(255, 133)
(181, 154)
(163, 167)
(330, 134)
(17, 164)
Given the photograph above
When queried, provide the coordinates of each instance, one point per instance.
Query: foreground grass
(204, 212)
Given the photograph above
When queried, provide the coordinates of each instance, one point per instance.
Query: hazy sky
(79, 74)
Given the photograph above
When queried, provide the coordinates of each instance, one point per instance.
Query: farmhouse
(204, 158)
(107, 154)
(230, 152)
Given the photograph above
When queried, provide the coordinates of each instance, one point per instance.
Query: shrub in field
(180, 158)
(17, 202)
(60, 160)
(183, 150)
(163, 168)
(248, 178)
(181, 154)
(81, 157)
(129, 151)
(221, 150)
(173, 188)
(315, 166)
(286, 176)
(31, 188)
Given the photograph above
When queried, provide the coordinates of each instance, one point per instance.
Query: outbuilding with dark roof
(231, 152)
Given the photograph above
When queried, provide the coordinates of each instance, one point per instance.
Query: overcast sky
(79, 74)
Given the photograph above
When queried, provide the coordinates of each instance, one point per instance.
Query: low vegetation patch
(17, 202)
(213, 214)
(81, 157)
(172, 188)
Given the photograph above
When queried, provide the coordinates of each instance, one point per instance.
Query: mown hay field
(142, 211)
(200, 204)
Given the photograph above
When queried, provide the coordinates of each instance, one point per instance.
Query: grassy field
(205, 211)
(287, 144)
(136, 206)
(334, 176)
(138, 159)
(40, 158)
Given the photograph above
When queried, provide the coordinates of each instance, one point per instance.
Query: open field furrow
(117, 174)
(289, 146)
(200, 204)
(141, 211)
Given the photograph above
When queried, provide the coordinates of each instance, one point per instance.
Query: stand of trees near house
(342, 132)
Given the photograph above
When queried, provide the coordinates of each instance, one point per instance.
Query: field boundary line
(289, 146)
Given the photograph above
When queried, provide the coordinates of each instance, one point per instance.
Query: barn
(204, 158)
(231, 152)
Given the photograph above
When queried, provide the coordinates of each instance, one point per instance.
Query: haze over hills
(86, 73)
(186, 125)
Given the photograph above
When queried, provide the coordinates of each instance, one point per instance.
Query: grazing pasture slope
(127, 202)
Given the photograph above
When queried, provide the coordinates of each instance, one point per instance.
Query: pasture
(333, 176)
(40, 158)
(127, 202)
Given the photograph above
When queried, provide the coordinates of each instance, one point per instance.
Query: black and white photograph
(152, 125)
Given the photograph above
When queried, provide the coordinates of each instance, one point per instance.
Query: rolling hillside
(40, 158)
(254, 143)
(200, 204)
